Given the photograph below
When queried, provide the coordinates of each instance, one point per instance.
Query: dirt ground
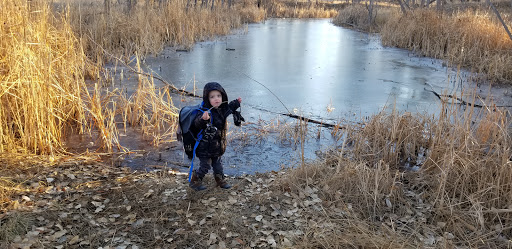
(81, 203)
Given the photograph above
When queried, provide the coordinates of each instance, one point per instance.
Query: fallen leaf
(74, 240)
(259, 217)
(213, 239)
(286, 242)
(222, 245)
(58, 234)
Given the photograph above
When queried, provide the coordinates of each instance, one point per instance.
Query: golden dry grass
(469, 38)
(44, 96)
(151, 109)
(463, 187)
(147, 29)
(356, 16)
(298, 9)
(41, 79)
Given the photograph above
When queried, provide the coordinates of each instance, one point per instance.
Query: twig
(498, 211)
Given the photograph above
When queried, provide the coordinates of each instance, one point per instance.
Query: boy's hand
(239, 99)
(205, 116)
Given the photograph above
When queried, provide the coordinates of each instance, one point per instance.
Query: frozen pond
(316, 69)
(309, 65)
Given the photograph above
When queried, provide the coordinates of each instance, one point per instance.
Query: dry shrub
(41, 79)
(354, 15)
(394, 138)
(470, 39)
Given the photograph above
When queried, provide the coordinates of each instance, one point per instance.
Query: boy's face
(215, 98)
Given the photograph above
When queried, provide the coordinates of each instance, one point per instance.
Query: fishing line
(265, 88)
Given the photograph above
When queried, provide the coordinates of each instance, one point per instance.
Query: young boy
(213, 144)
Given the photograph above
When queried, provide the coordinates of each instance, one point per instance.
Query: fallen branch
(461, 101)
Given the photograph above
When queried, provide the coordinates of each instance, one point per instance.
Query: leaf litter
(89, 204)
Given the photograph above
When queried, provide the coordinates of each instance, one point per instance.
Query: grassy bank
(472, 38)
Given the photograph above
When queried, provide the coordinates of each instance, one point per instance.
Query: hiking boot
(219, 178)
(196, 183)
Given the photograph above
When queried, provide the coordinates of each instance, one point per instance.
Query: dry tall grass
(151, 109)
(41, 79)
(470, 39)
(43, 93)
(146, 29)
(461, 196)
(357, 16)
(296, 9)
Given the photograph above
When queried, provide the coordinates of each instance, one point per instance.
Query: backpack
(184, 133)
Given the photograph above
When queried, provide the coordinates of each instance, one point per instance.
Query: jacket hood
(211, 86)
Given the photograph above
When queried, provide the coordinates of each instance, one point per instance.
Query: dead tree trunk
(370, 12)
(402, 6)
(107, 6)
(131, 4)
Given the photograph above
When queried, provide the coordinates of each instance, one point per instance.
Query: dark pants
(205, 163)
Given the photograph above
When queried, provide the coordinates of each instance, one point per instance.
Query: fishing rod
(267, 89)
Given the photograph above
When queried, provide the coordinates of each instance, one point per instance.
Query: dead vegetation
(148, 28)
(299, 9)
(470, 39)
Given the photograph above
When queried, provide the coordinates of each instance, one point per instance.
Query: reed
(151, 109)
(298, 9)
(41, 79)
(463, 187)
(357, 16)
(148, 28)
(471, 39)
